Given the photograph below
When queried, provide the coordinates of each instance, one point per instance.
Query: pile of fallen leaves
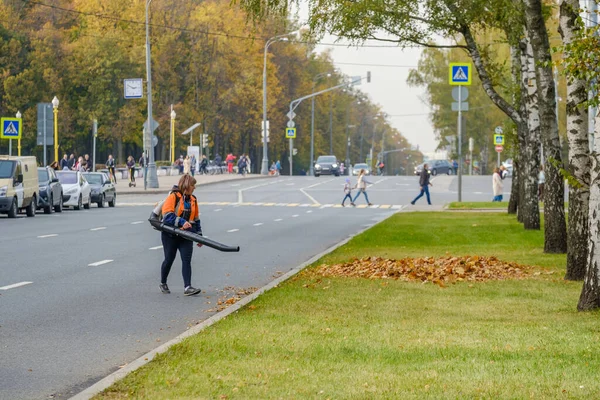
(441, 271)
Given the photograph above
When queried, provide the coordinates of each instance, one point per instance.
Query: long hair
(187, 181)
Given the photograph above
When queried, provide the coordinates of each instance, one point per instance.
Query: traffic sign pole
(459, 148)
(291, 155)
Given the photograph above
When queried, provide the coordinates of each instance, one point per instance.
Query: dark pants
(132, 174)
(424, 190)
(170, 246)
(349, 197)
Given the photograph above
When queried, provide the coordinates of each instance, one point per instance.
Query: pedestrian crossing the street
(304, 205)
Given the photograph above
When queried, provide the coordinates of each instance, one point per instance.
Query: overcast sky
(404, 105)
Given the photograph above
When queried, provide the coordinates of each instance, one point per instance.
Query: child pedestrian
(347, 191)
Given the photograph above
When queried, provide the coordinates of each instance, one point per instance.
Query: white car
(76, 189)
(508, 164)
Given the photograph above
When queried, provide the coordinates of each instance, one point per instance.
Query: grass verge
(343, 338)
(478, 205)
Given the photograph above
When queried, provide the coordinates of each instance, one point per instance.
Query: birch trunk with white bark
(590, 293)
(531, 153)
(579, 154)
(555, 228)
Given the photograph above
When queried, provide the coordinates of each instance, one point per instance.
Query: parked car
(436, 167)
(50, 194)
(76, 190)
(508, 164)
(357, 167)
(103, 190)
(327, 165)
(18, 185)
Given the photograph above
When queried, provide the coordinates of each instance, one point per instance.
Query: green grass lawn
(475, 205)
(342, 338)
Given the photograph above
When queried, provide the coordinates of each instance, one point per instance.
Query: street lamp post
(55, 104)
(173, 115)
(152, 177)
(312, 121)
(284, 37)
(18, 141)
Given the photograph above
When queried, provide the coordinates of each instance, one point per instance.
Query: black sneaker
(164, 288)
(191, 291)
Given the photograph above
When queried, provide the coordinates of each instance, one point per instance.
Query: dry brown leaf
(441, 271)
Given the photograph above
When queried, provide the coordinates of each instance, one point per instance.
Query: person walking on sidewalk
(361, 184)
(424, 183)
(348, 192)
(180, 209)
(187, 165)
(497, 185)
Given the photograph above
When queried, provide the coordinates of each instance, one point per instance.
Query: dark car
(50, 196)
(327, 165)
(436, 167)
(103, 190)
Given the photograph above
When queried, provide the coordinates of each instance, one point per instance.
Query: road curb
(146, 358)
(165, 191)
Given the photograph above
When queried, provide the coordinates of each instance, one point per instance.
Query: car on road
(50, 192)
(327, 165)
(436, 167)
(357, 167)
(508, 164)
(76, 190)
(18, 185)
(103, 190)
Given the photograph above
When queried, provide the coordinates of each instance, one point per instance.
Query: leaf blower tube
(158, 225)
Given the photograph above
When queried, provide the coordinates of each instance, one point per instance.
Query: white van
(18, 185)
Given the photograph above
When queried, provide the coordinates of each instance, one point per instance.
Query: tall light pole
(152, 177)
(18, 141)
(173, 115)
(55, 103)
(312, 121)
(284, 37)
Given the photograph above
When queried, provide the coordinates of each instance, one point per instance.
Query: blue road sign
(290, 133)
(460, 74)
(11, 128)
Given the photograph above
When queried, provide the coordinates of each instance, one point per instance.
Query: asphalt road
(79, 290)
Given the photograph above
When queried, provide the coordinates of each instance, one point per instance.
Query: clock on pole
(134, 88)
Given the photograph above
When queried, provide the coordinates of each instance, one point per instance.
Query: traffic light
(205, 140)
(368, 76)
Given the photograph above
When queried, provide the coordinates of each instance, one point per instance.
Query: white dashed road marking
(309, 211)
(96, 264)
(295, 216)
(258, 224)
(218, 209)
(47, 236)
(137, 222)
(98, 229)
(155, 248)
(232, 230)
(278, 219)
(15, 285)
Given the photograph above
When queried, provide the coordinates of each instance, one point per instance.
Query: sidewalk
(165, 183)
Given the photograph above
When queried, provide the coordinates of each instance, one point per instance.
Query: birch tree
(579, 161)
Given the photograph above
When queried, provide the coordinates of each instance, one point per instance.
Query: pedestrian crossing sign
(290, 133)
(11, 128)
(460, 73)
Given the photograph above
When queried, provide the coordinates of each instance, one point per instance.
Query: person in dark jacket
(424, 183)
(180, 209)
